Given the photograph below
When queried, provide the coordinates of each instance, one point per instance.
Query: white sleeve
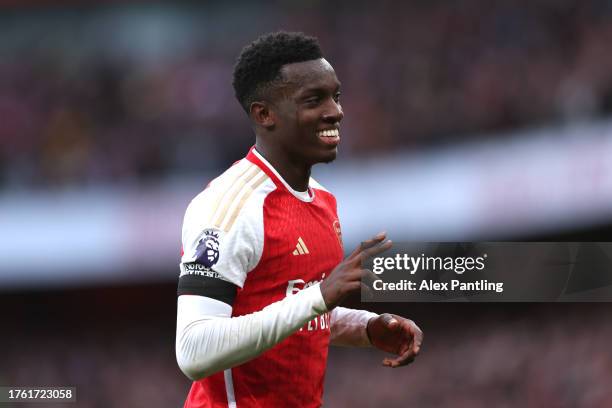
(208, 340)
(230, 252)
(348, 327)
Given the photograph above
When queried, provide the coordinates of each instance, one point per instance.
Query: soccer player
(262, 273)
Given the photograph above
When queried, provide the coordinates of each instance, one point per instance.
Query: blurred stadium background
(470, 120)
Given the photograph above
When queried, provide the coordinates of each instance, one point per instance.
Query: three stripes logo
(300, 248)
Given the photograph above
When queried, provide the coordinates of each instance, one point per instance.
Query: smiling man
(262, 272)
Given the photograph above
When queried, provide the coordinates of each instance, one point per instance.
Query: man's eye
(337, 97)
(313, 100)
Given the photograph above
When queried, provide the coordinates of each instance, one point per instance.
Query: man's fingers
(375, 250)
(409, 350)
(400, 361)
(368, 244)
(404, 359)
(414, 334)
(368, 277)
(407, 356)
(391, 322)
(366, 292)
(417, 337)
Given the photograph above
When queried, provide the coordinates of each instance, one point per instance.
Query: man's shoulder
(226, 218)
(227, 195)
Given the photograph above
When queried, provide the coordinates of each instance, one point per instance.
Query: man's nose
(333, 113)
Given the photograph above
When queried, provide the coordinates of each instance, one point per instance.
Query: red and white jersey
(270, 241)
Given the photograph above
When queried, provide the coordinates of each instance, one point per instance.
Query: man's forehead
(313, 71)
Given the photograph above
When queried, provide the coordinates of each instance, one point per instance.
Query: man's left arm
(349, 327)
(390, 333)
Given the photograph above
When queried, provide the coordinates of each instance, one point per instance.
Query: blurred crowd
(558, 358)
(414, 74)
(540, 359)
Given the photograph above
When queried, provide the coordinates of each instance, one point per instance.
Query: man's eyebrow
(319, 89)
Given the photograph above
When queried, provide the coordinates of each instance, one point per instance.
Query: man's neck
(296, 175)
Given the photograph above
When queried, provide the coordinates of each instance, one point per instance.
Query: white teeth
(329, 133)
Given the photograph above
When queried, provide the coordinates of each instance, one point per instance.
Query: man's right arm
(209, 340)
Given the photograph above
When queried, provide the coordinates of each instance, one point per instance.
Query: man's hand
(347, 276)
(394, 334)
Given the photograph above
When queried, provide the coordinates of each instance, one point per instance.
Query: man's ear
(262, 115)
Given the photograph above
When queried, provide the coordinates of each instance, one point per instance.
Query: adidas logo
(300, 248)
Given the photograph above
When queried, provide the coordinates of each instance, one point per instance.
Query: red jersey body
(274, 242)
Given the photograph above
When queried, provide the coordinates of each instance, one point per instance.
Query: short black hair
(260, 62)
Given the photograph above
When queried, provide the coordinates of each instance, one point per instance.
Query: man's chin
(328, 157)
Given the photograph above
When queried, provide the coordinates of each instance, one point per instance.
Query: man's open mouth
(330, 136)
